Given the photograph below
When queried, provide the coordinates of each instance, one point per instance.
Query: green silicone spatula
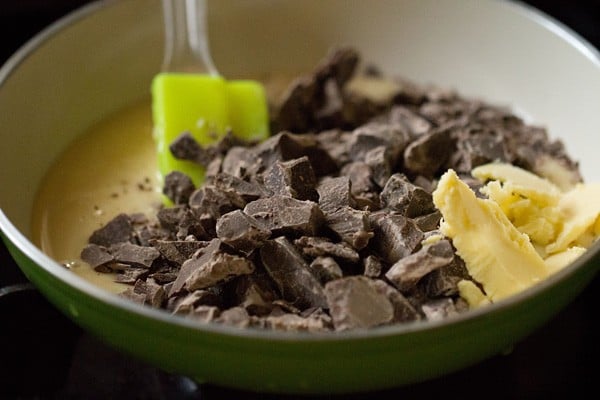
(190, 95)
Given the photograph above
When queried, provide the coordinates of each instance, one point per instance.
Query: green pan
(103, 57)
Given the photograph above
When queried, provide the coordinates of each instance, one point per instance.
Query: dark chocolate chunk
(411, 121)
(429, 152)
(296, 323)
(134, 255)
(255, 293)
(214, 201)
(241, 231)
(373, 266)
(395, 236)
(154, 293)
(361, 177)
(241, 163)
(188, 303)
(443, 281)
(236, 316)
(315, 246)
(326, 269)
(356, 302)
(130, 275)
(284, 215)
(178, 187)
(437, 309)
(335, 193)
(373, 135)
(96, 256)
(178, 251)
(291, 274)
(407, 271)
(294, 178)
(399, 194)
(117, 230)
(185, 147)
(248, 191)
(404, 311)
(429, 222)
(210, 265)
(170, 217)
(352, 226)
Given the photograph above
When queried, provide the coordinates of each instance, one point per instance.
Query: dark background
(45, 356)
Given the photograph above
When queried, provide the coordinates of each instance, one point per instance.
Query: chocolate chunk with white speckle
(215, 201)
(117, 230)
(356, 302)
(248, 191)
(373, 266)
(438, 309)
(294, 178)
(285, 215)
(407, 271)
(326, 269)
(241, 231)
(399, 194)
(291, 274)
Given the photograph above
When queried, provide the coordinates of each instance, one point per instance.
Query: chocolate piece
(178, 187)
(409, 120)
(438, 309)
(205, 313)
(117, 230)
(294, 178)
(178, 251)
(395, 236)
(209, 266)
(241, 231)
(428, 152)
(381, 164)
(296, 323)
(191, 223)
(170, 217)
(214, 201)
(134, 255)
(361, 177)
(130, 275)
(248, 191)
(352, 226)
(357, 302)
(373, 135)
(478, 148)
(285, 215)
(407, 271)
(155, 293)
(373, 266)
(326, 269)
(314, 246)
(403, 309)
(188, 303)
(291, 274)
(399, 194)
(185, 147)
(443, 281)
(255, 293)
(241, 163)
(335, 193)
(96, 256)
(236, 316)
(429, 222)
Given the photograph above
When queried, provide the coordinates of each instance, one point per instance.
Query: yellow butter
(496, 254)
(580, 209)
(471, 293)
(558, 261)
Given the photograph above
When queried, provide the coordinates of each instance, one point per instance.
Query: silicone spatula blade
(189, 95)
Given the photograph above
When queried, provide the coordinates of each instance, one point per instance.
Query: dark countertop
(48, 357)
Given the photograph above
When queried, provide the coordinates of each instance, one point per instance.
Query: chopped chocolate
(428, 152)
(429, 222)
(438, 309)
(211, 264)
(236, 316)
(185, 147)
(395, 237)
(407, 271)
(335, 193)
(357, 302)
(403, 309)
(134, 255)
(352, 226)
(361, 177)
(294, 178)
(241, 231)
(96, 256)
(178, 187)
(281, 215)
(178, 251)
(155, 293)
(215, 201)
(296, 323)
(117, 230)
(315, 246)
(373, 267)
(326, 269)
(291, 274)
(188, 303)
(399, 194)
(412, 122)
(130, 275)
(248, 191)
(443, 281)
(205, 313)
(255, 293)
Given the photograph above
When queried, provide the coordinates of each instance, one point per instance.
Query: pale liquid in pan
(109, 170)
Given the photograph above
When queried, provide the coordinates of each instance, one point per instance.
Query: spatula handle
(186, 37)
